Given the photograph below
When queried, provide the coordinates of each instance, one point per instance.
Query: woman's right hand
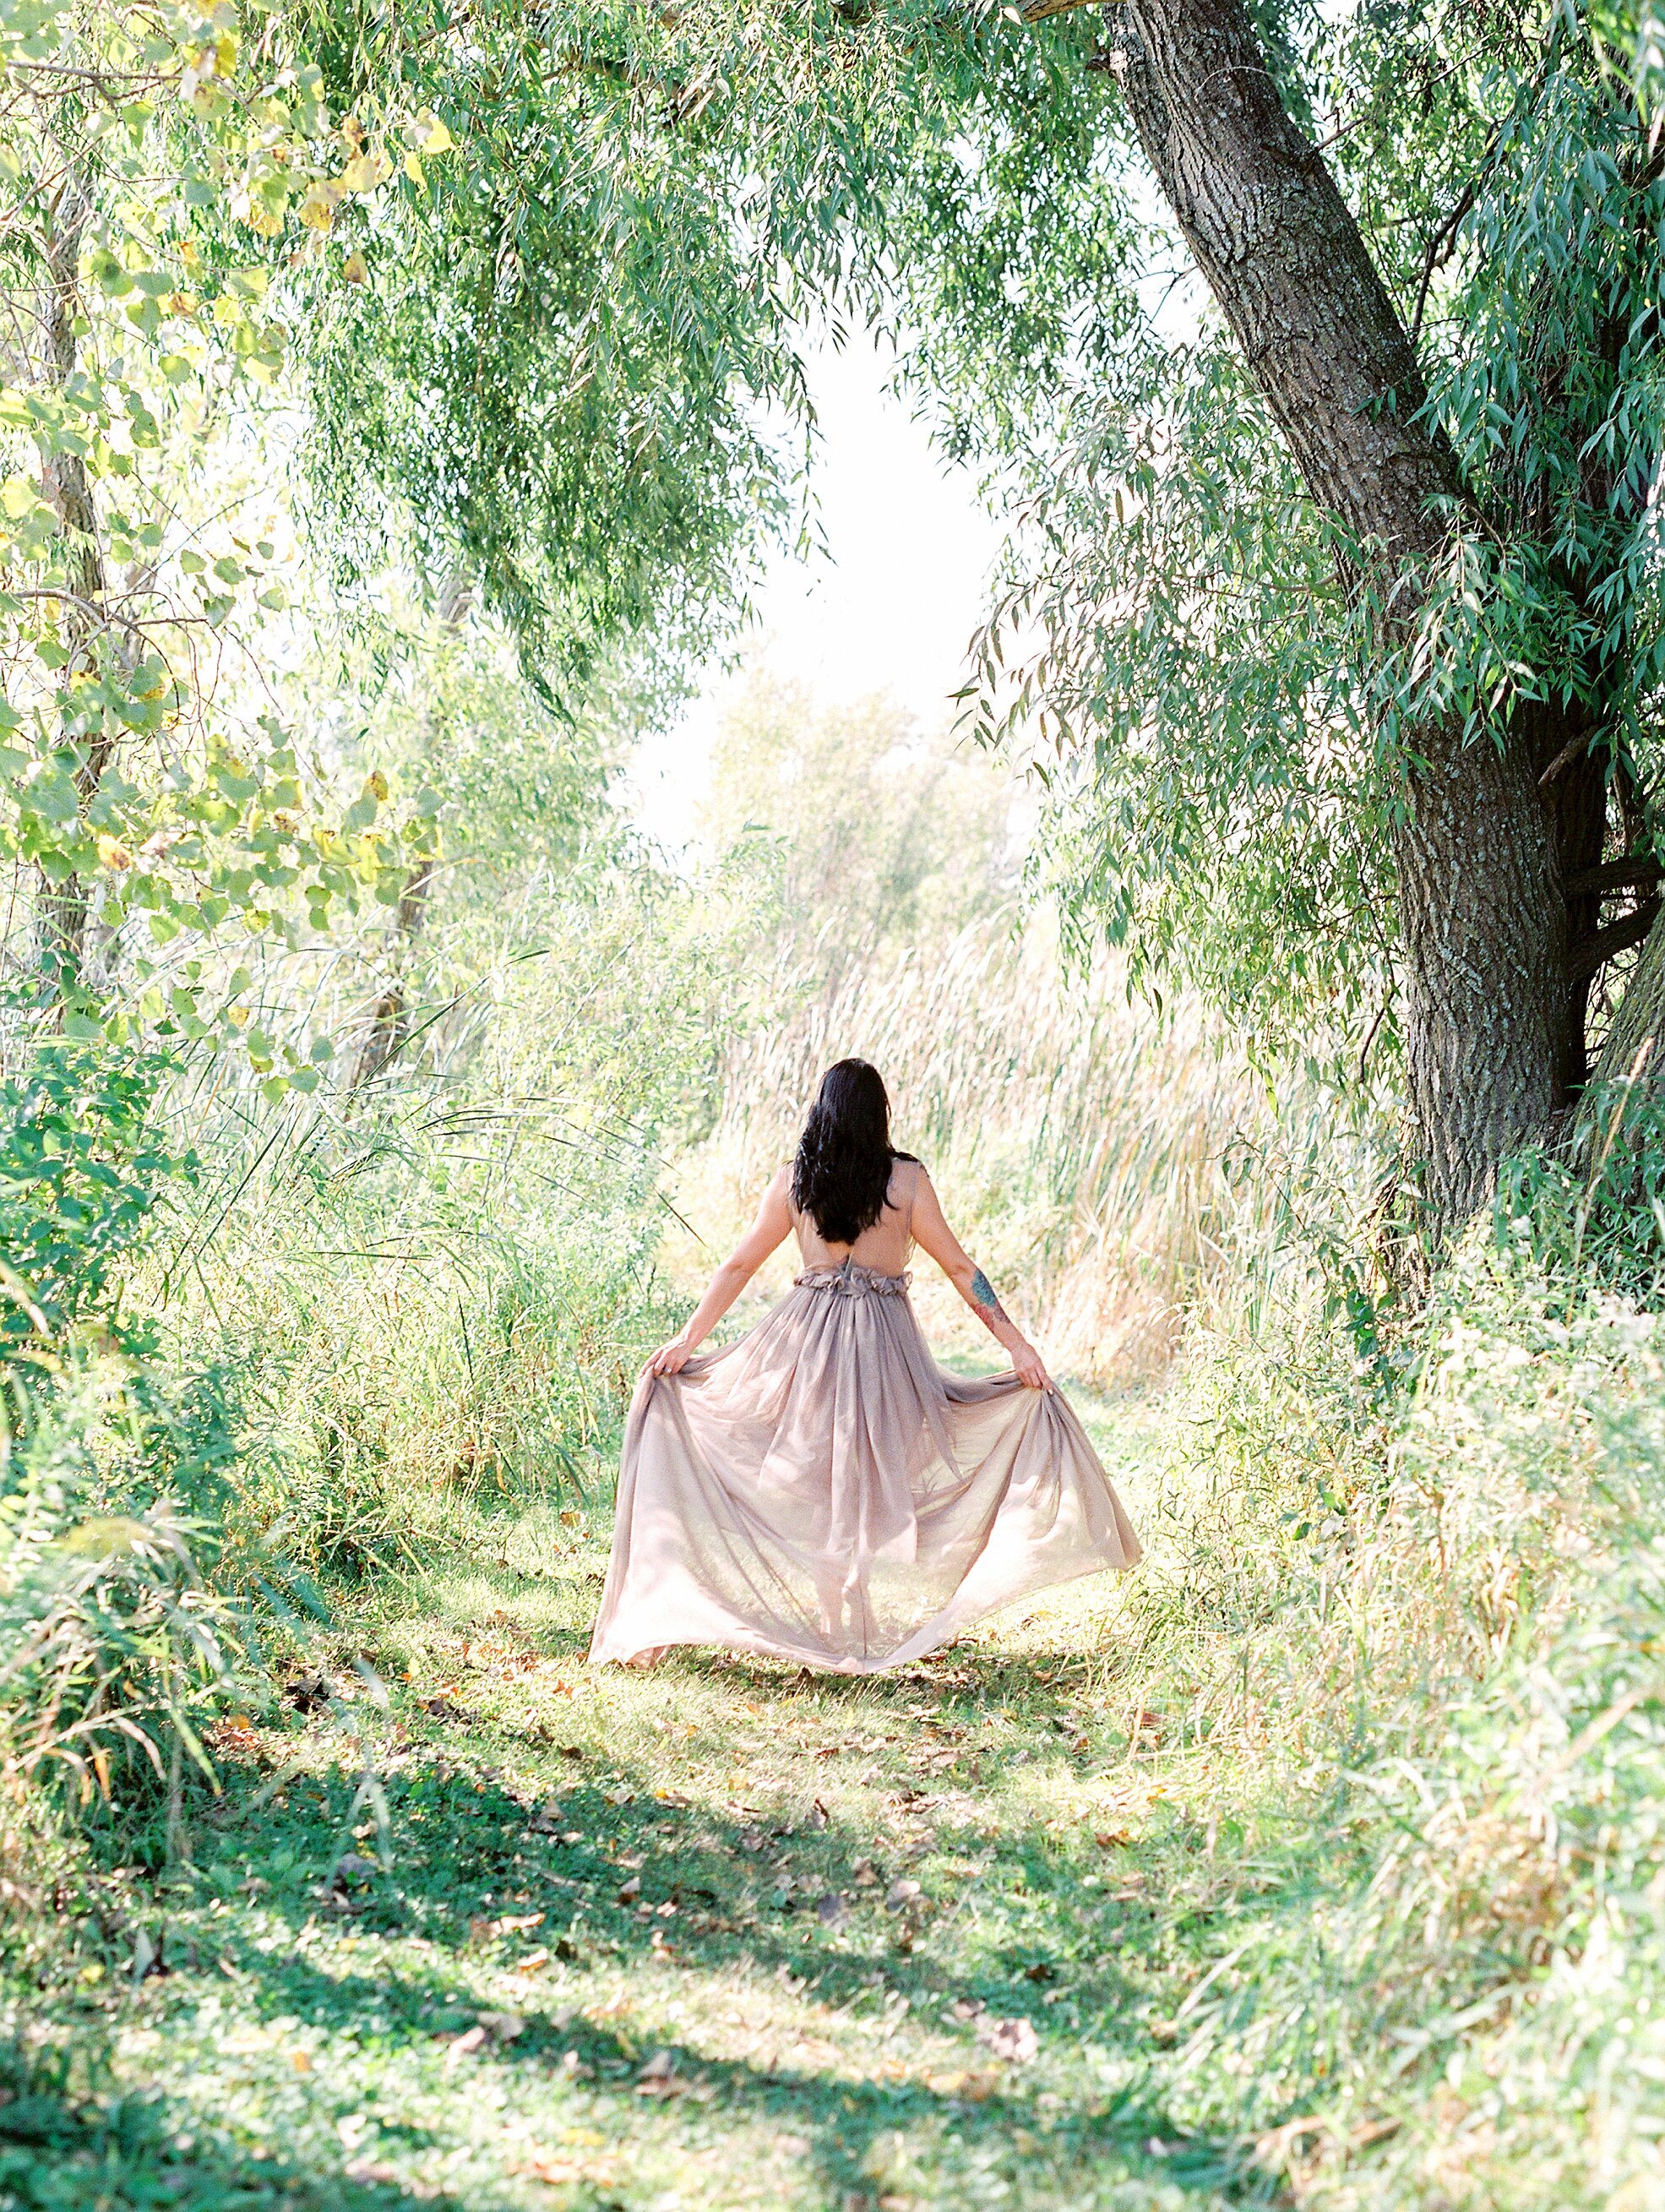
(1029, 1367)
(671, 1359)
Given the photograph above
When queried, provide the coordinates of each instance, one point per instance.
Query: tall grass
(1118, 1171)
(1402, 1627)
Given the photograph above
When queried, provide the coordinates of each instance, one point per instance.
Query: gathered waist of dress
(851, 1281)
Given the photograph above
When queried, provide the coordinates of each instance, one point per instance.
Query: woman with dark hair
(822, 1491)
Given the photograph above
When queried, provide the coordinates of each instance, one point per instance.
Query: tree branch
(1617, 875)
(1568, 752)
(1617, 936)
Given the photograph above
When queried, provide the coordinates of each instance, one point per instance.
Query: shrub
(82, 1169)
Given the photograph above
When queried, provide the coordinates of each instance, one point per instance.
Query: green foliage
(1592, 1210)
(1223, 729)
(82, 1167)
(114, 1645)
(1427, 1615)
(1217, 808)
(570, 352)
(147, 805)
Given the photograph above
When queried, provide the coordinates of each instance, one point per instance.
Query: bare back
(884, 1247)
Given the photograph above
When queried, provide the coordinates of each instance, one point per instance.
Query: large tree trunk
(1489, 1002)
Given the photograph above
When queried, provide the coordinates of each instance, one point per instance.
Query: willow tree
(1350, 640)
(1382, 644)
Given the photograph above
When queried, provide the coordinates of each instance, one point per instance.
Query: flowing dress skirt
(822, 1491)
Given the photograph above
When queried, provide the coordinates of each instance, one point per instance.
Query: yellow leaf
(18, 496)
(413, 169)
(356, 269)
(359, 174)
(225, 55)
(376, 783)
(439, 139)
(112, 852)
(318, 209)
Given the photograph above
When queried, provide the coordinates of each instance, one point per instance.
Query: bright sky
(911, 549)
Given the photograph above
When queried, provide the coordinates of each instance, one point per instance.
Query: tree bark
(1634, 1052)
(1488, 1003)
(390, 1016)
(62, 905)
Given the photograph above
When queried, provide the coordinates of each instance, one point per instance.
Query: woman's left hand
(1029, 1368)
(671, 1359)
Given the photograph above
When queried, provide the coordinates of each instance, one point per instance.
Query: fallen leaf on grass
(973, 2086)
(1109, 1839)
(1014, 2040)
(863, 1875)
(532, 1962)
(901, 1894)
(491, 1928)
(504, 2026)
(659, 2078)
(831, 1910)
(558, 2169)
(817, 1816)
(629, 1890)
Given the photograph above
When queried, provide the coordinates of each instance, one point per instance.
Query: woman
(822, 1491)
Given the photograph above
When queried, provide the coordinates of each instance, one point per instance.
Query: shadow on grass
(739, 1897)
(468, 1844)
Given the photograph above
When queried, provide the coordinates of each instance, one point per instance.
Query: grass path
(724, 1936)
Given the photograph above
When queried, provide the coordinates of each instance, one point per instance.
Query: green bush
(1426, 1618)
(114, 1645)
(82, 1171)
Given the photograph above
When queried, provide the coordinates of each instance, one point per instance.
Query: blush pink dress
(822, 1491)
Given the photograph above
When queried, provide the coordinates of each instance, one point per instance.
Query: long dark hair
(843, 1169)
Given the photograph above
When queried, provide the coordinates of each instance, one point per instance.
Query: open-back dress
(822, 1491)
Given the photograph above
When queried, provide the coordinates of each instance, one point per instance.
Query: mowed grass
(727, 1934)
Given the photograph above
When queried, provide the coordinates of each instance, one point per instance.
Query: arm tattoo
(982, 1293)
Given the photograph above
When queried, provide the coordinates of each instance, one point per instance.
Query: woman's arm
(770, 1229)
(934, 1235)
